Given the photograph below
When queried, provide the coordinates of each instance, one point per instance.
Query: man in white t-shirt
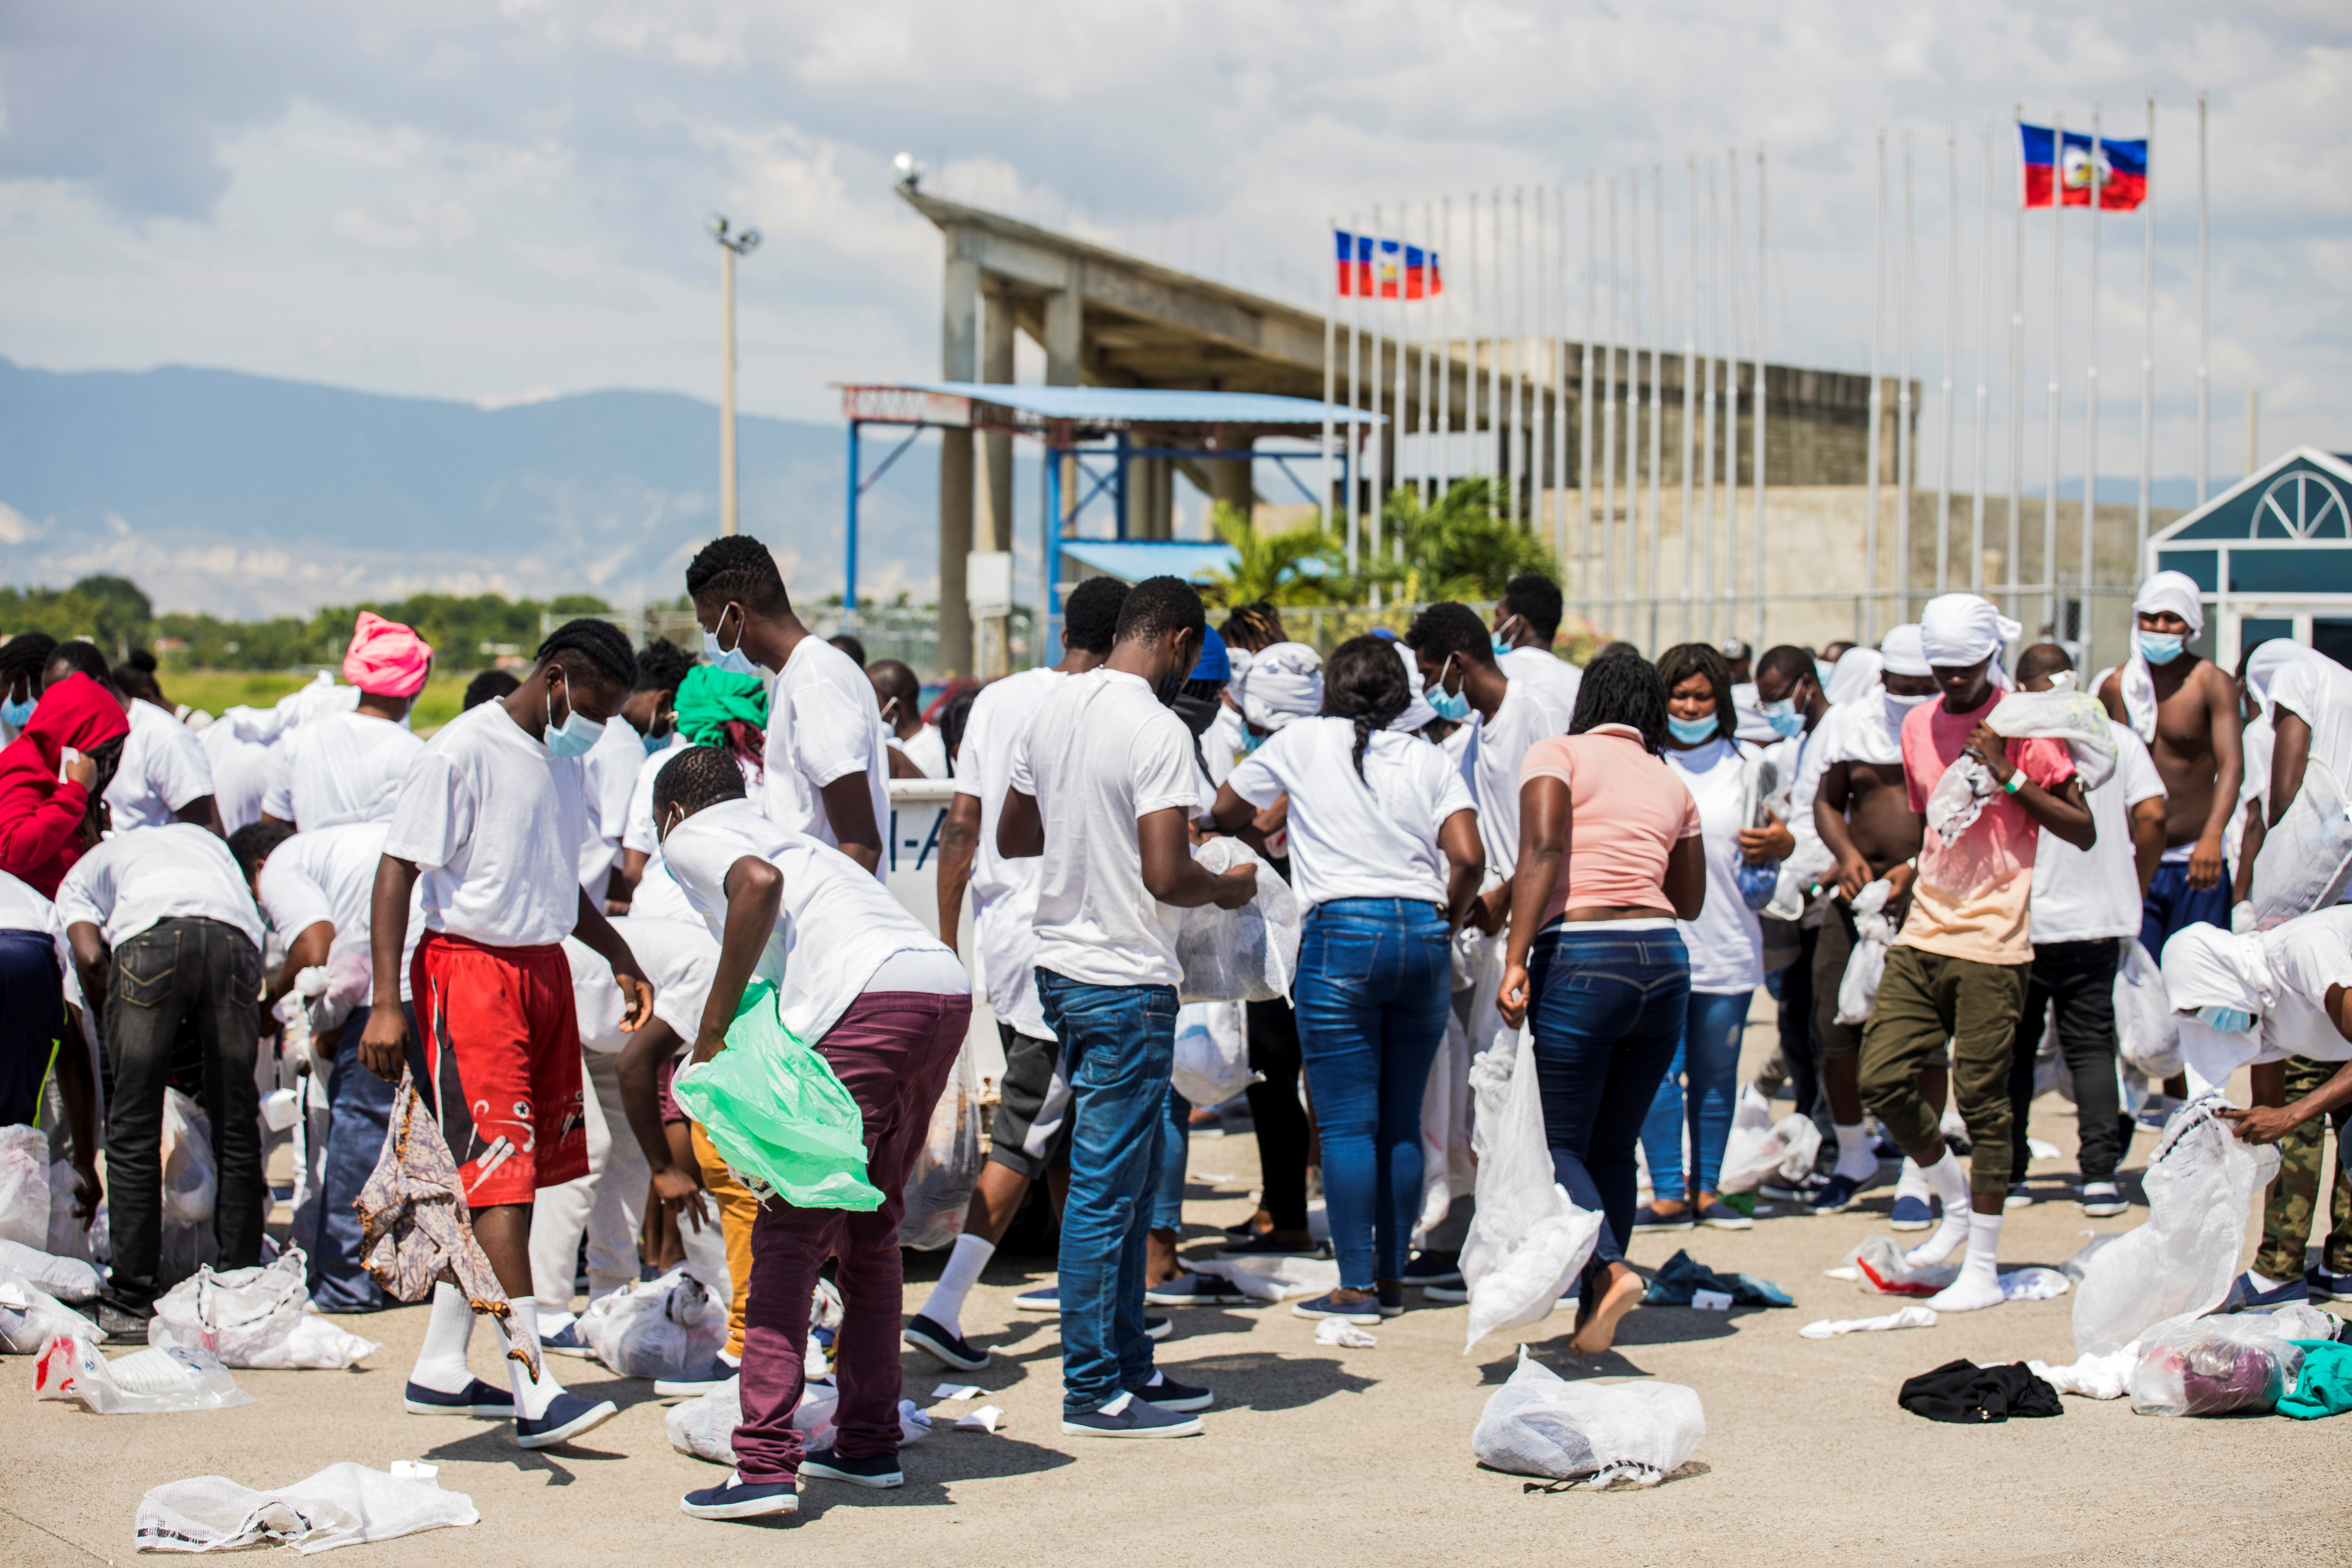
(641, 730)
(827, 766)
(348, 766)
(1031, 1126)
(1527, 619)
(486, 825)
(165, 937)
(2085, 904)
(163, 775)
(917, 750)
(885, 1005)
(1104, 785)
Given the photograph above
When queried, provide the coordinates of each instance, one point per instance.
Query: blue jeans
(1175, 1154)
(1609, 1010)
(1119, 1046)
(1374, 982)
(359, 1106)
(2172, 905)
(1708, 1058)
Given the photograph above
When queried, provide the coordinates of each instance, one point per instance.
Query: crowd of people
(547, 918)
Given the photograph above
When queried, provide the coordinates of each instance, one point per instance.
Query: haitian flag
(1385, 268)
(2123, 171)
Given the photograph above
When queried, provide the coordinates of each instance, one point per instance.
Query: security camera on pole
(731, 246)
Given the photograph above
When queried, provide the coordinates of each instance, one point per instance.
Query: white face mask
(1899, 708)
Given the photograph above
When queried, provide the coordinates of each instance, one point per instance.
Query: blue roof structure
(1132, 561)
(1112, 406)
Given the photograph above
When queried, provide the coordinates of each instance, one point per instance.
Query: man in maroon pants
(888, 1006)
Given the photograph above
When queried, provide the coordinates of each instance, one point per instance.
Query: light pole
(731, 246)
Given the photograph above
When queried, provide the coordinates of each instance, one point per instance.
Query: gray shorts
(1032, 1129)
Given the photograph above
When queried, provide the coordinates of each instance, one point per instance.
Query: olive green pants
(1923, 1000)
(2305, 1171)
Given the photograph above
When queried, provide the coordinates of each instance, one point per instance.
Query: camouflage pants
(2293, 1197)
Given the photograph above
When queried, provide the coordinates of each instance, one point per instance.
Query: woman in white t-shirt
(1384, 850)
(1725, 944)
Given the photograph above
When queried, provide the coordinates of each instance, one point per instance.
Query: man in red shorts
(490, 818)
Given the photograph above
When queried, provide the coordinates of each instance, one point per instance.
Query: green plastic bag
(778, 1115)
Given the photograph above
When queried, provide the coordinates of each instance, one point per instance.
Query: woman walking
(1610, 859)
(1384, 848)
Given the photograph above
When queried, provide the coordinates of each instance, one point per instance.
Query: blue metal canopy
(1113, 407)
(1132, 561)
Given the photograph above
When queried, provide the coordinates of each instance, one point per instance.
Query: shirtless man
(1862, 809)
(2185, 709)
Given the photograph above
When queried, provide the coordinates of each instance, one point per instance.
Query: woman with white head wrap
(1283, 682)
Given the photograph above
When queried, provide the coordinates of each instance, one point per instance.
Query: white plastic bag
(1882, 1268)
(1759, 1147)
(142, 1382)
(1212, 1052)
(1539, 1424)
(656, 1328)
(255, 1317)
(1271, 1278)
(704, 1427)
(1801, 871)
(31, 1318)
(191, 1180)
(2219, 1366)
(1874, 932)
(2201, 1186)
(67, 1278)
(1447, 1170)
(343, 1505)
(2146, 1037)
(939, 1188)
(1527, 1242)
(1247, 954)
(2306, 862)
(25, 1185)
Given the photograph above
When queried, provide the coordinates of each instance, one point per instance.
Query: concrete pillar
(959, 355)
(993, 528)
(1064, 335)
(1150, 498)
(1229, 481)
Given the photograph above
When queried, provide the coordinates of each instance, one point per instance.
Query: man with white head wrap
(2277, 1000)
(1864, 814)
(2186, 711)
(1283, 682)
(1959, 969)
(2259, 668)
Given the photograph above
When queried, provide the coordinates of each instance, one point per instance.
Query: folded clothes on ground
(1908, 1318)
(2093, 1376)
(1682, 1276)
(1963, 1392)
(2324, 1386)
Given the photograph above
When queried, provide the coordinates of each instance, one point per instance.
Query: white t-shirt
(927, 750)
(1557, 677)
(240, 773)
(177, 870)
(2319, 692)
(1222, 743)
(1527, 714)
(677, 958)
(1003, 892)
(498, 840)
(637, 828)
(344, 767)
(2086, 896)
(608, 780)
(329, 874)
(1726, 942)
(21, 908)
(837, 928)
(822, 725)
(163, 768)
(1370, 837)
(1100, 753)
(2308, 955)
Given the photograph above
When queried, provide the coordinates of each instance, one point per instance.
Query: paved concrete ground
(1313, 1456)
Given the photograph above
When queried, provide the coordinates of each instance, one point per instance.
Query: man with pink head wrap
(347, 767)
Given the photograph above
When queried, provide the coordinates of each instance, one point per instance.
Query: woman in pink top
(1610, 858)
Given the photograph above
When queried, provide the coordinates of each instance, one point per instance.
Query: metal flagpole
(2016, 356)
(1657, 378)
(1756, 400)
(1730, 243)
(2057, 347)
(1403, 399)
(1690, 392)
(1474, 305)
(1515, 464)
(1429, 281)
(1707, 405)
(1330, 328)
(1494, 346)
(1584, 389)
(2091, 396)
(1560, 379)
(1977, 464)
(1355, 429)
(2204, 387)
(1445, 360)
(2146, 346)
(1904, 412)
(1877, 404)
(1608, 419)
(1632, 383)
(1951, 344)
(1376, 375)
(1538, 359)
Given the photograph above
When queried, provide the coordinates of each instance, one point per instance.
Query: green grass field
(217, 690)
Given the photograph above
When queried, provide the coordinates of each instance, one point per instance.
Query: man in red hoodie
(50, 810)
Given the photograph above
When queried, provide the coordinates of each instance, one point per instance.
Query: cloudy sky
(502, 201)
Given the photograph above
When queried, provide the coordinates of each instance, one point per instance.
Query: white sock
(971, 1256)
(441, 1361)
(1854, 1161)
(1949, 1184)
(1912, 1183)
(1979, 1285)
(531, 1396)
(2259, 1283)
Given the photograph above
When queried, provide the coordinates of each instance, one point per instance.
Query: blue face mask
(1691, 731)
(1453, 707)
(1824, 673)
(2228, 1020)
(733, 660)
(1784, 717)
(18, 714)
(576, 736)
(655, 744)
(1252, 740)
(2161, 647)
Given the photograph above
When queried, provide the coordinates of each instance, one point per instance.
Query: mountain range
(247, 496)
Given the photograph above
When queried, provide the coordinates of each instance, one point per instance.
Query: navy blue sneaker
(1366, 1313)
(733, 1499)
(2251, 1291)
(1786, 1192)
(1128, 1417)
(478, 1399)
(566, 1341)
(877, 1472)
(1265, 1245)
(1044, 1299)
(718, 1372)
(2326, 1285)
(1836, 1196)
(1158, 1327)
(568, 1416)
(1911, 1214)
(1425, 1269)
(943, 1345)
(1194, 1290)
(1391, 1300)
(1647, 1217)
(1170, 1394)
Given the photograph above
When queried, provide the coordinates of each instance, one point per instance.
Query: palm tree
(1296, 565)
(1456, 548)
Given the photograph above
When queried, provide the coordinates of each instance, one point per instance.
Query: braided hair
(1622, 688)
(591, 647)
(1364, 681)
(1253, 627)
(25, 656)
(661, 665)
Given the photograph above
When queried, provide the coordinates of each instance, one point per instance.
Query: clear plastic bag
(657, 1327)
(2216, 1367)
(777, 1113)
(1873, 933)
(1528, 1241)
(2306, 862)
(143, 1382)
(1759, 1147)
(255, 1317)
(2146, 1037)
(343, 1505)
(1881, 1267)
(1540, 1424)
(67, 1278)
(25, 1185)
(2201, 1186)
(191, 1180)
(1212, 1052)
(938, 1190)
(31, 1318)
(1247, 954)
